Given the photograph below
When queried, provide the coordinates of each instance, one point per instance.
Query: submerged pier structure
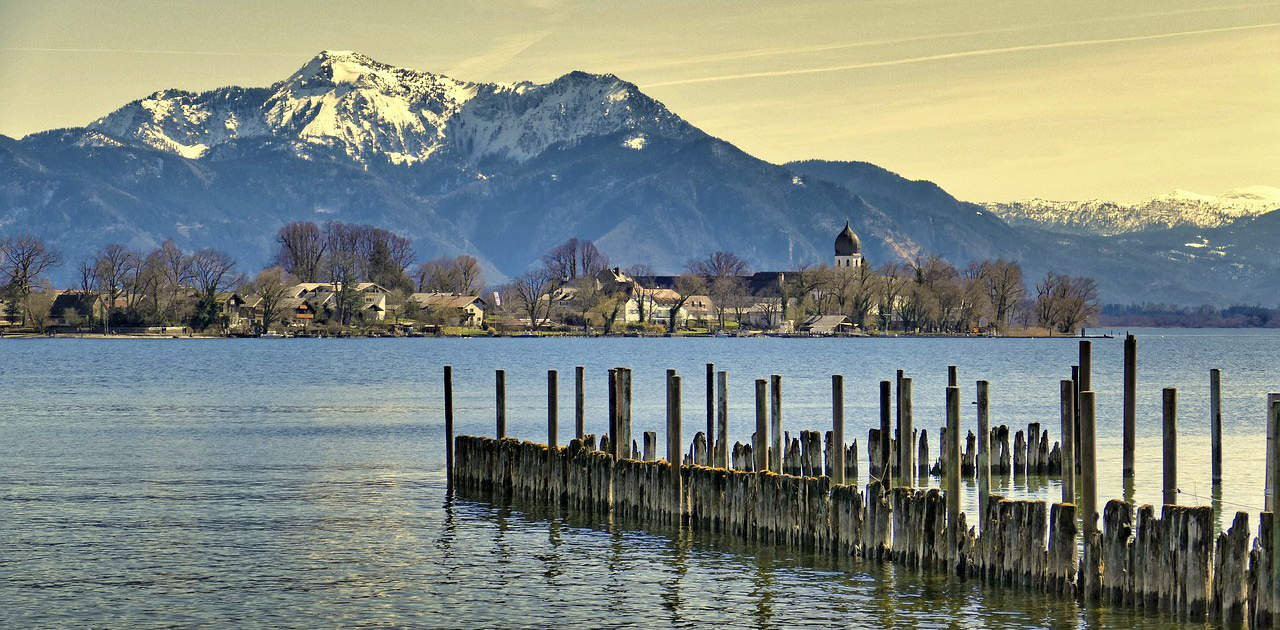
(803, 491)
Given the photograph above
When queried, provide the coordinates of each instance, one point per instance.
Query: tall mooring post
(837, 428)
(711, 415)
(1273, 493)
(579, 402)
(1088, 464)
(613, 413)
(953, 376)
(722, 419)
(673, 440)
(1130, 404)
(906, 453)
(775, 423)
(448, 425)
(983, 470)
(886, 420)
(1169, 485)
(500, 391)
(1215, 426)
(624, 413)
(952, 463)
(1272, 433)
(1067, 395)
(553, 409)
(760, 445)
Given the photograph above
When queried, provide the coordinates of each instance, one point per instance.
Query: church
(848, 249)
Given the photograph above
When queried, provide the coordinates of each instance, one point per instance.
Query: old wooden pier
(802, 491)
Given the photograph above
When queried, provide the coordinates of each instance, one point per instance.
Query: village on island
(353, 280)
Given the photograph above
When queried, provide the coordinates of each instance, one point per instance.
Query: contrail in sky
(959, 55)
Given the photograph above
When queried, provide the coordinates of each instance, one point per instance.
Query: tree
(530, 290)
(718, 264)
(468, 276)
(38, 303)
(342, 266)
(893, 283)
(301, 250)
(1065, 303)
(574, 258)
(723, 292)
(687, 286)
(1003, 282)
(273, 285)
(22, 261)
(112, 267)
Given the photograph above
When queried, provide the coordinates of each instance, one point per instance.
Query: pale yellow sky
(992, 100)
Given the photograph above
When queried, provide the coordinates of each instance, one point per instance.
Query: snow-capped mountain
(1178, 208)
(368, 110)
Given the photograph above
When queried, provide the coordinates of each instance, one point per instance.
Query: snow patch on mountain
(1177, 208)
(346, 101)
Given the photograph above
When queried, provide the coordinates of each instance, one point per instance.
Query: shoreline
(553, 335)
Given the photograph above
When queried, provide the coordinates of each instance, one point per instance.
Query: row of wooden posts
(1245, 587)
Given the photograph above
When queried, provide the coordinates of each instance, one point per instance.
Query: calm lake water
(300, 483)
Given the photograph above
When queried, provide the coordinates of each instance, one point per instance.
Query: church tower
(848, 248)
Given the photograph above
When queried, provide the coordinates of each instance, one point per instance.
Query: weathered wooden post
(1130, 403)
(897, 423)
(952, 457)
(1169, 494)
(624, 413)
(1068, 419)
(1273, 497)
(613, 412)
(711, 414)
(1086, 365)
(837, 428)
(1271, 476)
(500, 387)
(886, 418)
(579, 402)
(952, 376)
(760, 446)
(1215, 425)
(983, 470)
(1088, 464)
(906, 454)
(448, 425)
(775, 422)
(722, 420)
(673, 442)
(553, 409)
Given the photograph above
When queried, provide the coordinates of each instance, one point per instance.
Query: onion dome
(847, 243)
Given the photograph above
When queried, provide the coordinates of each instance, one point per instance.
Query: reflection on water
(297, 483)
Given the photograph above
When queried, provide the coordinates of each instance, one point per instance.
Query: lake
(300, 482)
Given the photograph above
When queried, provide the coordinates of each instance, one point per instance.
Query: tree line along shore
(340, 279)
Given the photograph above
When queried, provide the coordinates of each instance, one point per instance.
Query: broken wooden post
(761, 443)
(624, 413)
(673, 443)
(952, 462)
(775, 421)
(1130, 403)
(983, 469)
(1215, 426)
(722, 419)
(1169, 486)
(711, 415)
(500, 387)
(650, 452)
(837, 429)
(1068, 415)
(906, 454)
(1086, 365)
(579, 402)
(448, 425)
(886, 418)
(553, 408)
(1088, 465)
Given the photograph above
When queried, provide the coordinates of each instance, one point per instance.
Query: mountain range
(506, 171)
(1175, 209)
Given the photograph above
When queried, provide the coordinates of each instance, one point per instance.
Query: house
(297, 312)
(825, 325)
(74, 308)
(373, 298)
(455, 308)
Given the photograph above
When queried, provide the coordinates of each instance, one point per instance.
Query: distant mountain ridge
(506, 171)
(1175, 209)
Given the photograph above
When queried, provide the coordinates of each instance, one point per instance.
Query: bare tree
(273, 286)
(301, 250)
(530, 290)
(467, 274)
(591, 261)
(342, 266)
(22, 261)
(687, 286)
(719, 264)
(112, 267)
(1003, 282)
(893, 283)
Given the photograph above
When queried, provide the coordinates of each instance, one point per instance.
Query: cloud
(958, 55)
(500, 54)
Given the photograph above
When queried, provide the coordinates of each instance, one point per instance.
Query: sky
(993, 100)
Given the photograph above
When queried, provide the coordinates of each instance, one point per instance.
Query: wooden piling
(760, 445)
(952, 376)
(1088, 465)
(1086, 365)
(711, 415)
(448, 425)
(1169, 486)
(952, 458)
(579, 402)
(613, 413)
(1271, 476)
(553, 409)
(1130, 403)
(500, 389)
(1273, 470)
(1215, 426)
(837, 429)
(722, 419)
(624, 413)
(886, 428)
(673, 443)
(906, 453)
(1068, 415)
(775, 422)
(983, 468)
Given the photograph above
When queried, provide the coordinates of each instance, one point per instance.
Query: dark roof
(81, 302)
(758, 283)
(847, 243)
